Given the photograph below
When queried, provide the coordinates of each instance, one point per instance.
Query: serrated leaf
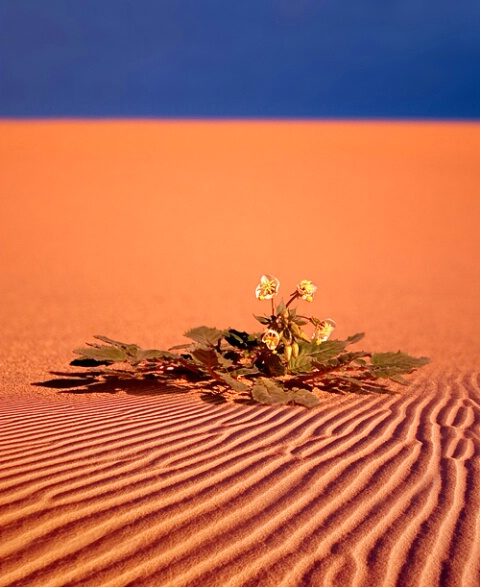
(274, 364)
(127, 347)
(244, 372)
(391, 364)
(267, 392)
(339, 361)
(150, 354)
(224, 362)
(233, 383)
(326, 350)
(102, 353)
(205, 335)
(178, 347)
(399, 359)
(300, 364)
(115, 351)
(304, 397)
(207, 357)
(355, 338)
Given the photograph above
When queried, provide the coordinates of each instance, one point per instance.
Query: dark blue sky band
(370, 59)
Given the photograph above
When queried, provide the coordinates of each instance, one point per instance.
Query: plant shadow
(94, 382)
(98, 382)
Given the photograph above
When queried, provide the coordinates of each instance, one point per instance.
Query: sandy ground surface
(141, 230)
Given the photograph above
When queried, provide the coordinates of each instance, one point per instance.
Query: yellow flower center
(307, 287)
(269, 288)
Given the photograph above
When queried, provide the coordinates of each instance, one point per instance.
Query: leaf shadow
(340, 386)
(94, 382)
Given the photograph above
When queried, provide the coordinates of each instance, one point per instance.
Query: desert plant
(282, 364)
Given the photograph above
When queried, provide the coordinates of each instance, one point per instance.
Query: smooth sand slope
(142, 230)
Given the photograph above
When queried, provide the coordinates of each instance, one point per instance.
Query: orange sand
(140, 230)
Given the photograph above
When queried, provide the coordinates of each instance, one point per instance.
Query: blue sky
(370, 59)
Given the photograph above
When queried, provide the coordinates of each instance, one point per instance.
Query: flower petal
(324, 330)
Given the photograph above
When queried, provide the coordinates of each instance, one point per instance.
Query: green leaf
(244, 372)
(152, 354)
(304, 397)
(361, 362)
(130, 349)
(326, 350)
(281, 307)
(339, 361)
(115, 352)
(267, 392)
(300, 364)
(207, 357)
(224, 362)
(391, 364)
(233, 383)
(239, 339)
(274, 364)
(186, 345)
(102, 353)
(205, 335)
(355, 338)
(262, 319)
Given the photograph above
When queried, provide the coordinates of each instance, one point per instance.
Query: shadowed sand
(142, 230)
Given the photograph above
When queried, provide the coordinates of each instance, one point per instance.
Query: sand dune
(169, 490)
(142, 230)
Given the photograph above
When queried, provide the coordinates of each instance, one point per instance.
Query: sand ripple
(168, 490)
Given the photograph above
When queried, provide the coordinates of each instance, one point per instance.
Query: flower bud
(295, 349)
(288, 352)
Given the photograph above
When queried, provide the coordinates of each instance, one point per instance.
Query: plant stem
(294, 297)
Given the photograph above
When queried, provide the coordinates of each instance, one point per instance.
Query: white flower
(267, 288)
(323, 330)
(306, 289)
(271, 338)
